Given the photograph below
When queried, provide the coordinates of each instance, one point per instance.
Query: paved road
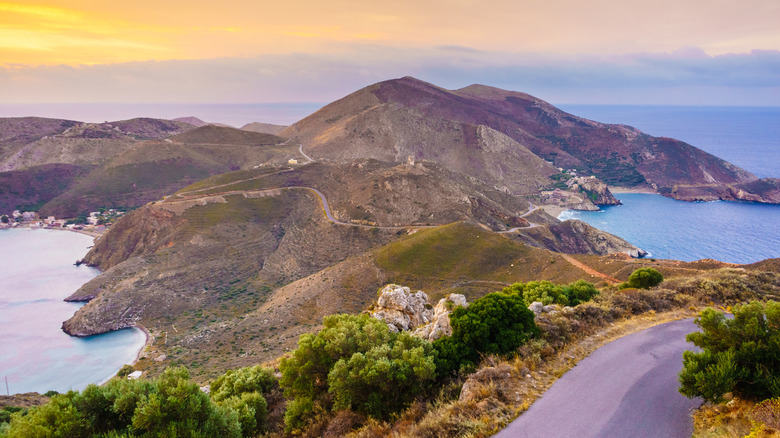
(300, 148)
(628, 388)
(531, 208)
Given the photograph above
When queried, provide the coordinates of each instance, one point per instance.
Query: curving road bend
(625, 389)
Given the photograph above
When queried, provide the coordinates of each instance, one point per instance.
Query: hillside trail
(183, 194)
(531, 208)
(588, 269)
(187, 197)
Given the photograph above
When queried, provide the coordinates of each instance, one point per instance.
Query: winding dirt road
(576, 263)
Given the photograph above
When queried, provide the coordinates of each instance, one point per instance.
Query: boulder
(440, 324)
(402, 310)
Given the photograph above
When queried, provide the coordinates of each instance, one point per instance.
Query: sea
(734, 232)
(37, 272)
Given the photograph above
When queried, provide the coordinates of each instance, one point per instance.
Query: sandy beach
(553, 210)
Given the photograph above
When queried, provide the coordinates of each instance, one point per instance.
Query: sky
(663, 52)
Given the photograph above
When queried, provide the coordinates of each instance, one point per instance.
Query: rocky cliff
(596, 190)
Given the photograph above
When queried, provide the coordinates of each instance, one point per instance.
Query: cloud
(687, 76)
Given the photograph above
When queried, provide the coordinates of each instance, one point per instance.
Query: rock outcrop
(596, 190)
(440, 325)
(403, 310)
(766, 190)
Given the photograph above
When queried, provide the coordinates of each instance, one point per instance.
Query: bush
(358, 361)
(643, 278)
(125, 371)
(244, 391)
(497, 323)
(305, 374)
(738, 355)
(547, 293)
(171, 406)
(580, 292)
(384, 380)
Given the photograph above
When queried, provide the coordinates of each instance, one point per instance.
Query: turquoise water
(36, 273)
(732, 232)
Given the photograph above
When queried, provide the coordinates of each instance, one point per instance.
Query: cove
(37, 272)
(733, 232)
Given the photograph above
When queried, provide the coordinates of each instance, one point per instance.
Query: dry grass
(733, 419)
(502, 389)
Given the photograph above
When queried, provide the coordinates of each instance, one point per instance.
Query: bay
(731, 232)
(36, 273)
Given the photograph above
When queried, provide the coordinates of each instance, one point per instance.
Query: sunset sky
(565, 51)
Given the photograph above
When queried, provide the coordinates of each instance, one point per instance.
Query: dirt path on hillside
(589, 270)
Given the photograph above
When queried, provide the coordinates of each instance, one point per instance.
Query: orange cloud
(45, 32)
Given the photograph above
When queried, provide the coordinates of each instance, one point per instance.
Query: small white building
(135, 375)
(292, 161)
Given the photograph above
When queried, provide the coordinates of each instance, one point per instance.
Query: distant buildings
(97, 221)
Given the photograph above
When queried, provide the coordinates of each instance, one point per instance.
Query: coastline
(149, 342)
(619, 189)
(553, 210)
(92, 234)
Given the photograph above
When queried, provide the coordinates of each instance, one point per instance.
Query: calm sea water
(727, 231)
(36, 272)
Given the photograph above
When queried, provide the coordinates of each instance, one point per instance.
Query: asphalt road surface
(627, 388)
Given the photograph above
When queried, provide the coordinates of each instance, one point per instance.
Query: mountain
(194, 121)
(212, 134)
(243, 240)
(228, 244)
(265, 128)
(65, 168)
(499, 136)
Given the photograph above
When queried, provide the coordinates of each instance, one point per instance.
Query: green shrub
(170, 406)
(244, 391)
(125, 371)
(298, 411)
(305, 373)
(643, 278)
(738, 355)
(497, 323)
(358, 361)
(547, 293)
(384, 380)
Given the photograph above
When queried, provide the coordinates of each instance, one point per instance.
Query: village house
(94, 217)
